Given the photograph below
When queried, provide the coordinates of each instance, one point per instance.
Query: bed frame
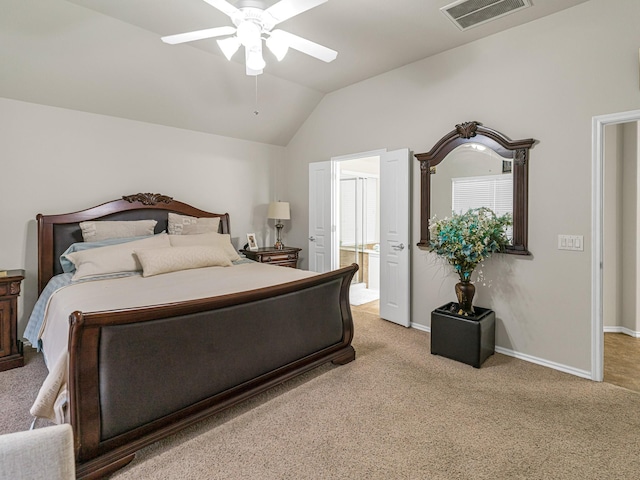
(139, 375)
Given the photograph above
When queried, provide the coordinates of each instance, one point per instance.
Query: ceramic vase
(465, 292)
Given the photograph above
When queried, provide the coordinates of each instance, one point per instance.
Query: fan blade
(285, 9)
(198, 35)
(223, 6)
(307, 46)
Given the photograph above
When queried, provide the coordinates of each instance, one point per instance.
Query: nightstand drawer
(287, 263)
(285, 257)
(279, 257)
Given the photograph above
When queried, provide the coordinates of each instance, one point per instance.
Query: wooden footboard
(139, 375)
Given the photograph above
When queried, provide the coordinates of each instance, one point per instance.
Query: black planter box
(469, 340)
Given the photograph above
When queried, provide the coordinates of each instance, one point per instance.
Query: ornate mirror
(476, 163)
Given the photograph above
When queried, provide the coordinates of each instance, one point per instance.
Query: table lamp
(279, 211)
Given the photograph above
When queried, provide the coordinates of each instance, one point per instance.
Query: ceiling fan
(253, 23)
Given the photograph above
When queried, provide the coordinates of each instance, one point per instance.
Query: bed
(136, 374)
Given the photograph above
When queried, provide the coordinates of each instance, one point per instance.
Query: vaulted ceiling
(106, 57)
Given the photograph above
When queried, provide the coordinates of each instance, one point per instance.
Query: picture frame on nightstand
(251, 241)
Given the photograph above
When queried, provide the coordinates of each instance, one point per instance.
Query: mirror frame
(474, 132)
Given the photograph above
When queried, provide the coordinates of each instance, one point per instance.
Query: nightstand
(10, 347)
(284, 257)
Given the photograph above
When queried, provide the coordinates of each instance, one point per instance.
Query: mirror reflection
(472, 176)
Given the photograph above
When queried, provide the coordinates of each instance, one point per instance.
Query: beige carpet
(398, 412)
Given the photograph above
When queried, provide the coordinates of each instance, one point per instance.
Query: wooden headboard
(57, 232)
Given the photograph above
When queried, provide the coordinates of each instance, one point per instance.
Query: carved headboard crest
(148, 198)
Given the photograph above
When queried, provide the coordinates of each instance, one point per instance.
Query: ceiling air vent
(470, 13)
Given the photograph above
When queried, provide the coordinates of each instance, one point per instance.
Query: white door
(320, 216)
(395, 258)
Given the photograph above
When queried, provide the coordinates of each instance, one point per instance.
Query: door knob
(398, 247)
(312, 239)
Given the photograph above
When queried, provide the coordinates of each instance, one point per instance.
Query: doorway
(358, 209)
(394, 221)
(621, 255)
(599, 125)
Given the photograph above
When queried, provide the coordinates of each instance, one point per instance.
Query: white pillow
(172, 259)
(94, 231)
(186, 225)
(221, 241)
(114, 258)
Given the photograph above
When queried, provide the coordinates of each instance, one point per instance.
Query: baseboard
(527, 358)
(545, 363)
(625, 330)
(422, 328)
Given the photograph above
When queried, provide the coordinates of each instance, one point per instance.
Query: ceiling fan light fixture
(249, 34)
(253, 73)
(254, 58)
(277, 46)
(229, 46)
(254, 22)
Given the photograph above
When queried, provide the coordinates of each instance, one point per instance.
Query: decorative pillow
(69, 267)
(172, 259)
(186, 225)
(94, 231)
(222, 241)
(102, 261)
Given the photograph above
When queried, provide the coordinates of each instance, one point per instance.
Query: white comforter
(130, 292)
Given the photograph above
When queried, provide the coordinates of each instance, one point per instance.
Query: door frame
(597, 234)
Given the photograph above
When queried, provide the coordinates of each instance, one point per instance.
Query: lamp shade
(279, 211)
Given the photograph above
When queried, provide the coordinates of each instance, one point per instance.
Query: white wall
(56, 160)
(546, 80)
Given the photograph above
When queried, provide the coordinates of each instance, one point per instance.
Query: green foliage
(464, 240)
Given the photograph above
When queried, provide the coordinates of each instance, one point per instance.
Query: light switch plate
(571, 242)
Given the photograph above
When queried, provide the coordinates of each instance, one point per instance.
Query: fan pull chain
(256, 111)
